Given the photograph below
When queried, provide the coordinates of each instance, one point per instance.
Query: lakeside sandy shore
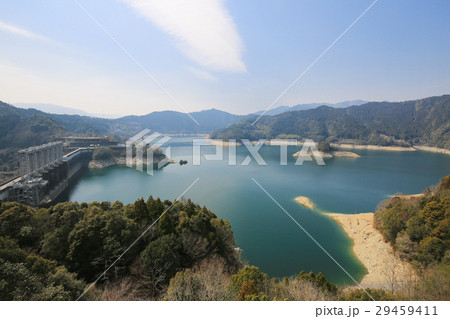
(383, 267)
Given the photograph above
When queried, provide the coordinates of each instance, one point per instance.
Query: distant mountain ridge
(299, 107)
(63, 110)
(418, 122)
(172, 122)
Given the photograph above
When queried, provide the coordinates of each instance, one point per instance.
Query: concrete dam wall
(45, 174)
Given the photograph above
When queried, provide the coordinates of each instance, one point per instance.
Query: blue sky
(235, 55)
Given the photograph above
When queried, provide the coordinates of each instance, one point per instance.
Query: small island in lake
(105, 156)
(305, 201)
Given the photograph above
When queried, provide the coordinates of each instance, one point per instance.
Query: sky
(140, 56)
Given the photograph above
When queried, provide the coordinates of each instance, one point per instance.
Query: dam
(44, 173)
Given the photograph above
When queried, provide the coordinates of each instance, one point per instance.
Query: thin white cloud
(21, 32)
(203, 30)
(202, 74)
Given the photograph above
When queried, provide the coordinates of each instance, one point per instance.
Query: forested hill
(418, 122)
(23, 128)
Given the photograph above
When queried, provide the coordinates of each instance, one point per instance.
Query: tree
(259, 279)
(140, 212)
(406, 248)
(32, 277)
(392, 222)
(248, 289)
(432, 214)
(161, 259)
(361, 295)
(415, 227)
(165, 225)
(16, 221)
(206, 281)
(155, 207)
(97, 240)
(430, 249)
(319, 280)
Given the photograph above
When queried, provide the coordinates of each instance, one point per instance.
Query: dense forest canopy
(79, 241)
(418, 228)
(188, 254)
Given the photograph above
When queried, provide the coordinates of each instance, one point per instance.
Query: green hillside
(418, 122)
(23, 128)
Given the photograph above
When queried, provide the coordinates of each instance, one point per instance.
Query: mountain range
(300, 107)
(63, 110)
(58, 109)
(425, 121)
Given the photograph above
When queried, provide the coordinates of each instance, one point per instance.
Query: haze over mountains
(58, 109)
(300, 107)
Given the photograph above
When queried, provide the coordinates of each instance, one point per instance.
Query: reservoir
(268, 237)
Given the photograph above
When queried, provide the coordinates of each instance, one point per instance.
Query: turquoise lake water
(268, 237)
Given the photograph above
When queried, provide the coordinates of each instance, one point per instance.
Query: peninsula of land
(383, 268)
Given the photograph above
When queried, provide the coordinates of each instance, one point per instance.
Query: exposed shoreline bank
(332, 154)
(116, 161)
(373, 147)
(433, 149)
(414, 148)
(377, 256)
(340, 146)
(384, 269)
